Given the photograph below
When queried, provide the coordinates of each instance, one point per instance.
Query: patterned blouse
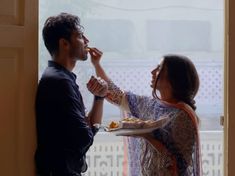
(178, 136)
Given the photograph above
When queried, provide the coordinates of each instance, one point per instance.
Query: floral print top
(178, 135)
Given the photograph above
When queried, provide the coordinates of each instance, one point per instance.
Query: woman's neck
(168, 97)
(170, 100)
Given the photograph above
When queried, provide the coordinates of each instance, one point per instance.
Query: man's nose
(85, 39)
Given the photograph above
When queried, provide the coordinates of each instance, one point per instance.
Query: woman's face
(160, 78)
(155, 73)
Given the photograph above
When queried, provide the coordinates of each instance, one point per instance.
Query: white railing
(212, 153)
(106, 156)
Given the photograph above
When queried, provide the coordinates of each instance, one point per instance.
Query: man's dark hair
(57, 27)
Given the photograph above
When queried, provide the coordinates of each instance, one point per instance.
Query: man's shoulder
(54, 74)
(54, 80)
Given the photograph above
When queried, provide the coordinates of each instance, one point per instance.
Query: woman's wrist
(96, 64)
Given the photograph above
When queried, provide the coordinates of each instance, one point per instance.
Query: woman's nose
(153, 71)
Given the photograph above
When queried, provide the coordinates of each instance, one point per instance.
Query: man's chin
(83, 58)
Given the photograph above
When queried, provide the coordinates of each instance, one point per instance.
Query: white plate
(129, 132)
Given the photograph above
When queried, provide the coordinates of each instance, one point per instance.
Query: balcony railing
(106, 156)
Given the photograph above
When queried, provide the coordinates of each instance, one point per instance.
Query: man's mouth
(87, 49)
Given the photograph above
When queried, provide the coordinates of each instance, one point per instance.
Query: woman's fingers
(95, 52)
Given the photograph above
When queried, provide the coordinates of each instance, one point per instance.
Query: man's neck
(68, 63)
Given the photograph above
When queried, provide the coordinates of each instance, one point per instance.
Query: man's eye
(80, 35)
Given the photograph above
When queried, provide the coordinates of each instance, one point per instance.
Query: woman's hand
(97, 86)
(95, 56)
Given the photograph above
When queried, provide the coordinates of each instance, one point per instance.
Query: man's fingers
(103, 92)
(91, 81)
(97, 86)
(94, 85)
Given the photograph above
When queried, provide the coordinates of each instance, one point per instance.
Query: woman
(173, 149)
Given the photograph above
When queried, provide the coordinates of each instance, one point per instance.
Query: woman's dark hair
(183, 78)
(57, 27)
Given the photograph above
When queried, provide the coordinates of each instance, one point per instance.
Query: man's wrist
(99, 97)
(95, 128)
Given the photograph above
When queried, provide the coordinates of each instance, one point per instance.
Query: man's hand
(97, 86)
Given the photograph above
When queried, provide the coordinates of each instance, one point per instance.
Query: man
(64, 132)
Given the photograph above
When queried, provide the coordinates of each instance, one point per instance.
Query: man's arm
(96, 112)
(78, 135)
(100, 88)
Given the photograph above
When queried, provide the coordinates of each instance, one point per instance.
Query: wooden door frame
(229, 89)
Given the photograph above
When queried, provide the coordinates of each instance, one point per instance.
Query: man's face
(78, 45)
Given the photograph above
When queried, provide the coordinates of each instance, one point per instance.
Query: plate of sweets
(132, 126)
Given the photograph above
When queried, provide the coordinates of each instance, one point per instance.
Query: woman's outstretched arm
(95, 59)
(115, 95)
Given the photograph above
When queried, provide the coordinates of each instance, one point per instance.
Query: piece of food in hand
(88, 49)
(113, 125)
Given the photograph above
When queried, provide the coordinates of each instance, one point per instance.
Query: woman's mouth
(153, 81)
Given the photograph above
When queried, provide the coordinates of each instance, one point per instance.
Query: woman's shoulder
(184, 119)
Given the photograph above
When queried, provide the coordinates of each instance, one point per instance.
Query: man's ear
(63, 44)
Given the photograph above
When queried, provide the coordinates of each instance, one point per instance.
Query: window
(133, 37)
(178, 35)
(107, 30)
